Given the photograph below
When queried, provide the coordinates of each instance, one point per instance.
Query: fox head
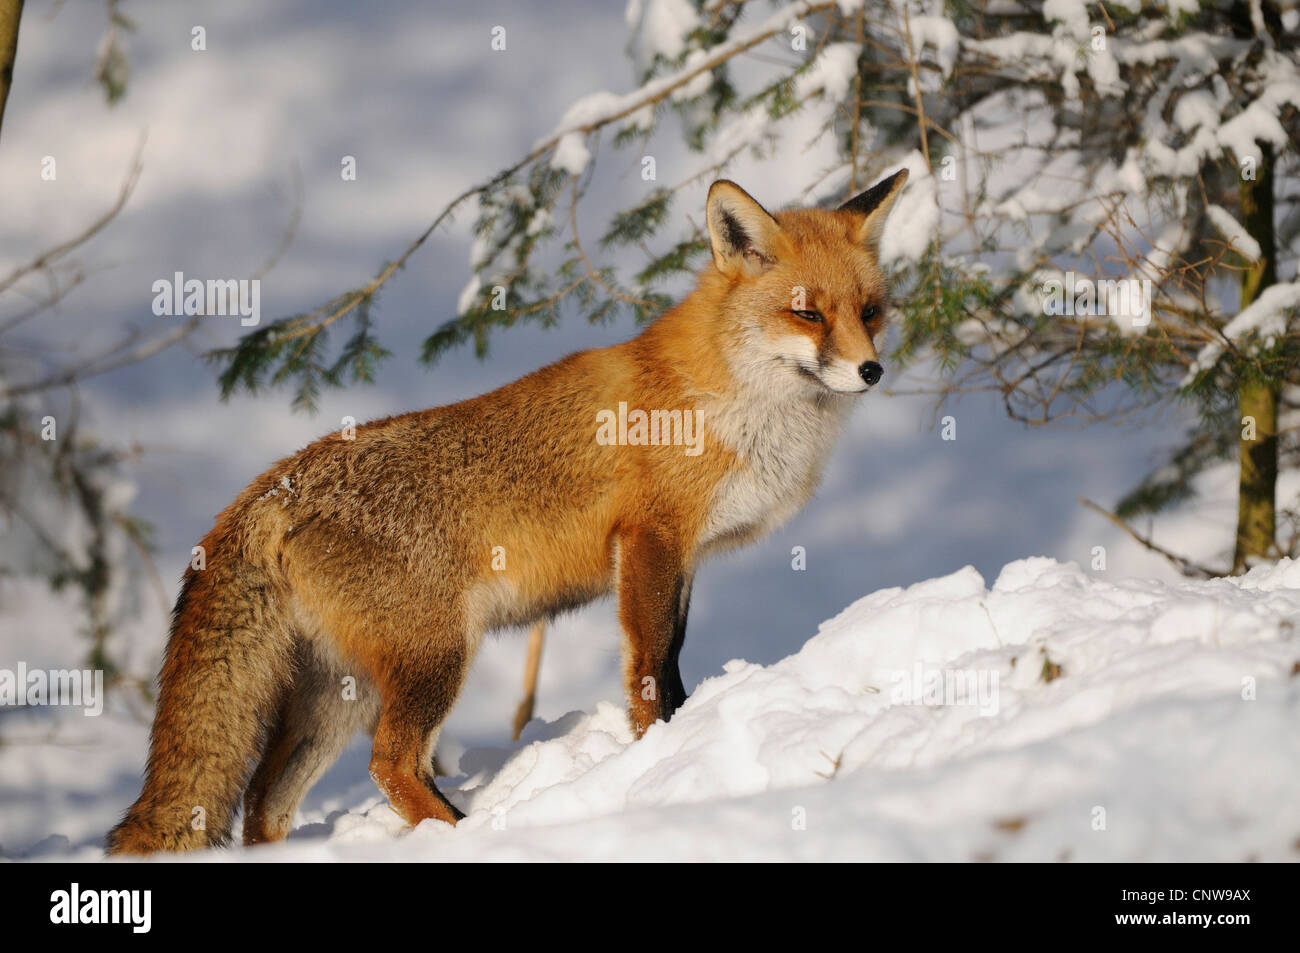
(806, 291)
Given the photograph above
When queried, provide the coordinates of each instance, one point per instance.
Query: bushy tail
(227, 661)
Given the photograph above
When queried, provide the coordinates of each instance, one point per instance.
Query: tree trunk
(11, 11)
(1258, 397)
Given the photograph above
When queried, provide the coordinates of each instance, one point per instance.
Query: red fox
(348, 586)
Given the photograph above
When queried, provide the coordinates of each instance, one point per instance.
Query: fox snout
(847, 376)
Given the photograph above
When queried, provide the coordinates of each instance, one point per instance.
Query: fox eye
(814, 316)
(868, 313)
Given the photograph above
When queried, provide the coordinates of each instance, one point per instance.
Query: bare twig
(1184, 565)
(137, 344)
(52, 256)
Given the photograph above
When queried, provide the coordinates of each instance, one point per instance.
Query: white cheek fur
(838, 373)
(796, 347)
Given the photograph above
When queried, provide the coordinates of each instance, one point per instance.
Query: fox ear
(874, 205)
(742, 233)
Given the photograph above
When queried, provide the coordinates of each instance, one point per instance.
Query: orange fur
(383, 559)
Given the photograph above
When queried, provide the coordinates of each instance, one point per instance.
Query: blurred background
(240, 145)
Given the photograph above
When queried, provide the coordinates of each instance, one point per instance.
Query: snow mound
(1168, 733)
(1053, 715)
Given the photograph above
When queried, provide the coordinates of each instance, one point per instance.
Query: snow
(1233, 231)
(659, 28)
(1266, 315)
(1260, 121)
(603, 106)
(1196, 109)
(747, 129)
(939, 33)
(643, 119)
(1203, 118)
(1022, 48)
(698, 86)
(914, 221)
(1158, 257)
(1265, 319)
(1071, 14)
(468, 295)
(571, 153)
(590, 109)
(831, 73)
(1167, 735)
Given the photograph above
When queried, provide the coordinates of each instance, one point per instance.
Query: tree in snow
(1101, 215)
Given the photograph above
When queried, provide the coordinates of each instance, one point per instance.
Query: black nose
(871, 372)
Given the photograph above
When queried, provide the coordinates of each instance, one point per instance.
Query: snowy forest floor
(1055, 715)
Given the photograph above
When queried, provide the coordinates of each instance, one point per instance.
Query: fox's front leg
(653, 591)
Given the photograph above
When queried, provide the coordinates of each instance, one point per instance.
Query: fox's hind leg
(319, 714)
(418, 693)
